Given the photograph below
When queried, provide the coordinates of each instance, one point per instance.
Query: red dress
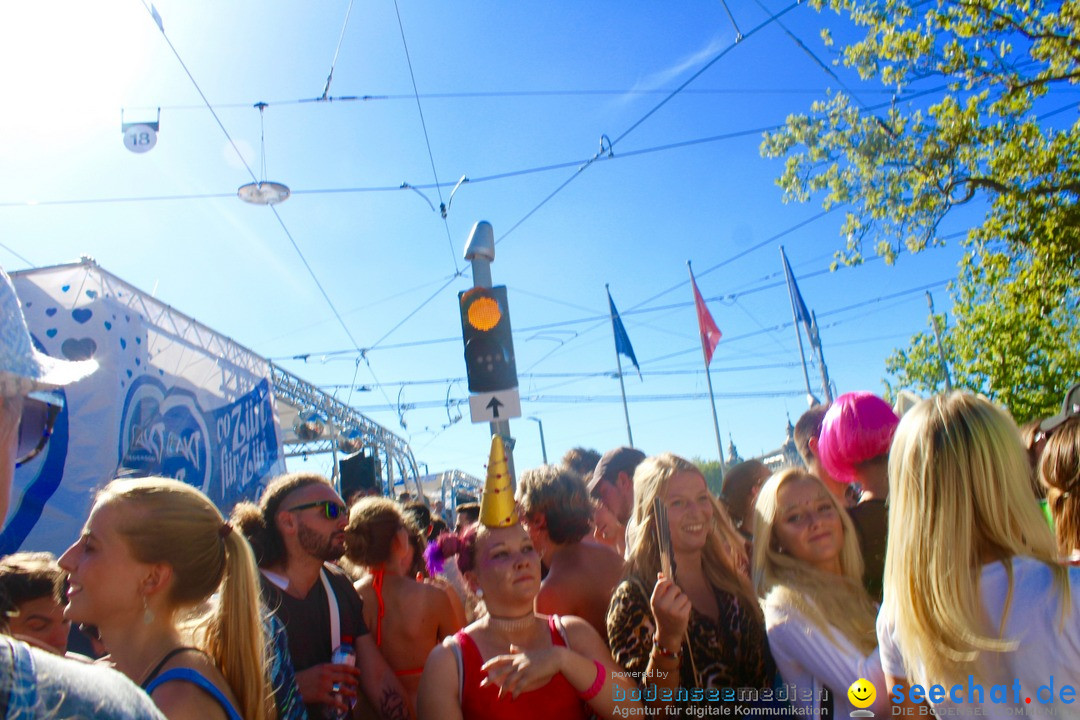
(558, 700)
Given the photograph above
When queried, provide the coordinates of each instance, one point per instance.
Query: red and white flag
(710, 334)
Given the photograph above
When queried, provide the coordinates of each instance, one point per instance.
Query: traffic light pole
(480, 252)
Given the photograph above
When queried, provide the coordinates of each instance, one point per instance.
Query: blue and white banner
(169, 398)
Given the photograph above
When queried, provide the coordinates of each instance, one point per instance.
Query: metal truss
(241, 368)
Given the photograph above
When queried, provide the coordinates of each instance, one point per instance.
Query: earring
(479, 592)
(148, 614)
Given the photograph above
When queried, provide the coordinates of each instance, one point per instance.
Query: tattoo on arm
(392, 706)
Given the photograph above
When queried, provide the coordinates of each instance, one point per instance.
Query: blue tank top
(195, 678)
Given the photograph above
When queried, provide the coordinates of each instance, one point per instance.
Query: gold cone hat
(497, 507)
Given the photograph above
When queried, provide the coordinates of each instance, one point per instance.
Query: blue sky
(504, 87)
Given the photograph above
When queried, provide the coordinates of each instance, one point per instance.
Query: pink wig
(858, 427)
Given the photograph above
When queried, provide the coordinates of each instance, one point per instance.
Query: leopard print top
(730, 653)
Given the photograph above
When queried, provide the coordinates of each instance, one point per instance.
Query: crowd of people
(932, 556)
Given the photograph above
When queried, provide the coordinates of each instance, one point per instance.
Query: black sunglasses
(35, 429)
(331, 508)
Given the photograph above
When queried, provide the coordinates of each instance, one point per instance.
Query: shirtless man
(557, 513)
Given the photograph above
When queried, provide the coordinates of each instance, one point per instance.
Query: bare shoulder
(441, 668)
(608, 558)
(581, 634)
(438, 697)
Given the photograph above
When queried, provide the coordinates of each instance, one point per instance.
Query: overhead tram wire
(28, 263)
(337, 51)
(427, 141)
(585, 375)
(580, 399)
(600, 319)
(472, 180)
(490, 94)
(728, 341)
(642, 119)
(161, 27)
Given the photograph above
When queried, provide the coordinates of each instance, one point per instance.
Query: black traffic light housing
(489, 345)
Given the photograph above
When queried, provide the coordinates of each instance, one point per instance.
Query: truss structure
(239, 368)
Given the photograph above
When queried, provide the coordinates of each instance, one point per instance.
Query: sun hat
(858, 427)
(22, 368)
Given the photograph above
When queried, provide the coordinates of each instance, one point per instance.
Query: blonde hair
(832, 603)
(1059, 471)
(724, 557)
(171, 522)
(959, 497)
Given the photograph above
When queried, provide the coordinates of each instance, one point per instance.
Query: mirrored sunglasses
(35, 429)
(331, 508)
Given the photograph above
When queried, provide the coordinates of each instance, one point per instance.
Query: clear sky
(516, 96)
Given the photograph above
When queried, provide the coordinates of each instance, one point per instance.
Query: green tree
(979, 86)
(711, 470)
(1014, 336)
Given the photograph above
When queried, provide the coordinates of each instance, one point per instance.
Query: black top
(307, 620)
(871, 520)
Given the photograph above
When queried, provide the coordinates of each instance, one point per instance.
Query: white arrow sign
(495, 406)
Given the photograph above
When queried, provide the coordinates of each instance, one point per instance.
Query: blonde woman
(703, 629)
(808, 570)
(1059, 472)
(154, 550)
(974, 595)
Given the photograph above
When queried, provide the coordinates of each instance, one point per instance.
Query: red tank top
(557, 699)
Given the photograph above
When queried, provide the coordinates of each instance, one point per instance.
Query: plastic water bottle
(344, 654)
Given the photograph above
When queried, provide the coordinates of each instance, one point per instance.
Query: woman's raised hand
(671, 608)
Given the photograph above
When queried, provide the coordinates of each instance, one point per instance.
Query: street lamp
(543, 448)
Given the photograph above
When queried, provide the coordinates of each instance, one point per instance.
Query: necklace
(511, 625)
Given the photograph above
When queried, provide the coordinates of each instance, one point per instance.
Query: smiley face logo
(862, 693)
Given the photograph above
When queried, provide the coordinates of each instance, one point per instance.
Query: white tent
(171, 397)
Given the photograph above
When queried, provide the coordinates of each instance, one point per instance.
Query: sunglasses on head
(35, 428)
(331, 508)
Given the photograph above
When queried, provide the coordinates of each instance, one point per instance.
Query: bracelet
(594, 689)
(663, 651)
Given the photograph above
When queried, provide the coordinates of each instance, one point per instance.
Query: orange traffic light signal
(489, 344)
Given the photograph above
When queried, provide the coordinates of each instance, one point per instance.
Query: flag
(710, 334)
(801, 313)
(622, 340)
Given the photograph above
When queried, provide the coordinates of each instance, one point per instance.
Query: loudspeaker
(358, 474)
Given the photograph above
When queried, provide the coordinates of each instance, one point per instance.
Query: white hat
(22, 368)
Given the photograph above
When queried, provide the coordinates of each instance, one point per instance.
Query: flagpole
(826, 385)
(618, 364)
(795, 322)
(708, 380)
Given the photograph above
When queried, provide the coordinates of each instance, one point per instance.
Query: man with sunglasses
(35, 683)
(297, 531)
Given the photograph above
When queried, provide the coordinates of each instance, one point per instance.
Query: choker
(511, 625)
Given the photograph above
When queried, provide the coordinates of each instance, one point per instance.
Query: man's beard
(317, 545)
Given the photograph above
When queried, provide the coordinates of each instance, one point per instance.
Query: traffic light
(489, 346)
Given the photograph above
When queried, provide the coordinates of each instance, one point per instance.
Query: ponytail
(234, 635)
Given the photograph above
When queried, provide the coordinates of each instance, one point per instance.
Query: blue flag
(801, 313)
(622, 340)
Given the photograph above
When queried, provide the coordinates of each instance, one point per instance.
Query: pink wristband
(598, 683)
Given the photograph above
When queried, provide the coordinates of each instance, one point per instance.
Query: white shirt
(1046, 649)
(810, 661)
